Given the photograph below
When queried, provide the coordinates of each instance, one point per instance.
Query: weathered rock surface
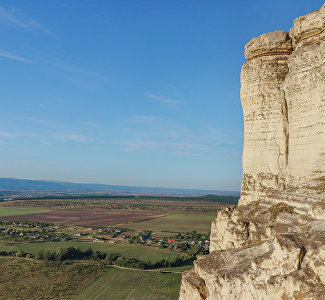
(272, 246)
(283, 99)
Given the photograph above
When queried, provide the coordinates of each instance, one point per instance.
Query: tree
(40, 255)
(20, 253)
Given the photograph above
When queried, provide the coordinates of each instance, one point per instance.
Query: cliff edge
(272, 246)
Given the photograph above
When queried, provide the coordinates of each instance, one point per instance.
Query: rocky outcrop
(272, 246)
(265, 156)
(283, 99)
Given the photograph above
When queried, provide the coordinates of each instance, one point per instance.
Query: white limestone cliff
(272, 246)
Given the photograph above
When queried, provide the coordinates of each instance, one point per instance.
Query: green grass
(120, 284)
(30, 279)
(132, 251)
(175, 223)
(9, 211)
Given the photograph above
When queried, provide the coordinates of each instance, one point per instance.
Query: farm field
(29, 279)
(175, 223)
(94, 223)
(130, 284)
(144, 253)
(158, 205)
(83, 217)
(13, 211)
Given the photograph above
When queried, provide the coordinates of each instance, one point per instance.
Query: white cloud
(189, 154)
(14, 57)
(7, 135)
(139, 144)
(52, 124)
(161, 136)
(143, 118)
(79, 76)
(159, 125)
(15, 19)
(74, 138)
(181, 148)
(48, 124)
(164, 99)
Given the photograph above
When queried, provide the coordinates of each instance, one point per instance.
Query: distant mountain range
(46, 186)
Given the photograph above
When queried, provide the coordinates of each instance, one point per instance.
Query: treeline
(25, 222)
(229, 200)
(72, 253)
(59, 254)
(222, 199)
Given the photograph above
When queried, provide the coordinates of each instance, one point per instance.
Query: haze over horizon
(137, 93)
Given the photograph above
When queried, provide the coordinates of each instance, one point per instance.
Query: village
(35, 231)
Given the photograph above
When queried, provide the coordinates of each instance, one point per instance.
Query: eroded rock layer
(283, 99)
(265, 156)
(272, 246)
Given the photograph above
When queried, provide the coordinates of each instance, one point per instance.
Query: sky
(129, 92)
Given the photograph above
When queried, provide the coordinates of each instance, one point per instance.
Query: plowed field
(85, 217)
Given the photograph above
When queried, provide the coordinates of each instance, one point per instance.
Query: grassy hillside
(120, 284)
(29, 279)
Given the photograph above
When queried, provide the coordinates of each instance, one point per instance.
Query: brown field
(86, 217)
(156, 205)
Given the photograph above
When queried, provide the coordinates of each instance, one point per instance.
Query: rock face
(266, 148)
(272, 246)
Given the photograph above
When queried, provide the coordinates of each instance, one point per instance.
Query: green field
(11, 211)
(129, 284)
(132, 251)
(177, 269)
(29, 279)
(175, 223)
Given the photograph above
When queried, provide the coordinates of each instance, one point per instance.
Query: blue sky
(129, 92)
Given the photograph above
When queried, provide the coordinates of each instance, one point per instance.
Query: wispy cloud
(156, 135)
(14, 57)
(189, 154)
(143, 118)
(189, 148)
(72, 68)
(82, 77)
(7, 135)
(16, 19)
(49, 132)
(153, 145)
(73, 138)
(165, 99)
(230, 153)
(52, 126)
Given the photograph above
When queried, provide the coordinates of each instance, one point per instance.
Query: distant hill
(24, 185)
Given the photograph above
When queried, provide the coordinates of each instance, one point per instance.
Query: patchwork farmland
(84, 217)
(161, 234)
(175, 223)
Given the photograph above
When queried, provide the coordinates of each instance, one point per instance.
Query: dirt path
(149, 270)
